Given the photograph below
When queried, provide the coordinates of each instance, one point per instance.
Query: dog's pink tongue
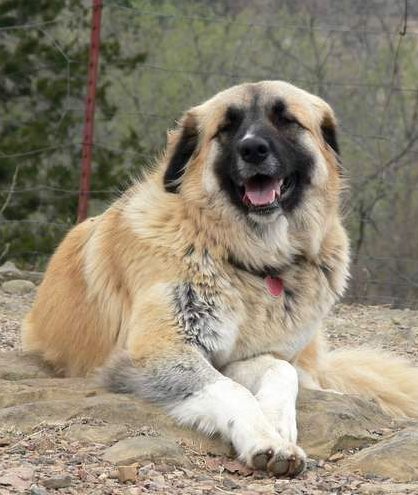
(261, 192)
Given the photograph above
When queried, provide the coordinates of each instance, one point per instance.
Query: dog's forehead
(262, 95)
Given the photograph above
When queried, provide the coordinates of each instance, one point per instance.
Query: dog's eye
(232, 120)
(282, 119)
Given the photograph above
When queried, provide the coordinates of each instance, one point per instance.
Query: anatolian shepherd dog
(203, 288)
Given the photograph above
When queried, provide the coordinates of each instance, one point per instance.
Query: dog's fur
(166, 291)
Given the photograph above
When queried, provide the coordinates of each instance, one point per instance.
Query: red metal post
(84, 194)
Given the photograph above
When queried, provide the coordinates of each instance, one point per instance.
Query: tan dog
(203, 287)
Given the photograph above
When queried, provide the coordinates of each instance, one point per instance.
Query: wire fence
(158, 59)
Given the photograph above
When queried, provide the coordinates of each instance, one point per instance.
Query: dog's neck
(265, 271)
(270, 275)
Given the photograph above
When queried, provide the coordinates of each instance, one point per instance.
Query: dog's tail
(390, 380)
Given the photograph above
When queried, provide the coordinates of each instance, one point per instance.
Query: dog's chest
(235, 318)
(239, 316)
(205, 318)
(282, 323)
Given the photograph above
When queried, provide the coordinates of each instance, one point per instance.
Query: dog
(203, 287)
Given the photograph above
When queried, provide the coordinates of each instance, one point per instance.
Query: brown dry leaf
(215, 464)
(232, 466)
(238, 468)
(82, 473)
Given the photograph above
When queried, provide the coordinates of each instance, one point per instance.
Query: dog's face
(263, 146)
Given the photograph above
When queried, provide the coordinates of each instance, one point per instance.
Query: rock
(18, 366)
(330, 422)
(395, 457)
(104, 434)
(17, 478)
(336, 457)
(127, 473)
(58, 482)
(142, 448)
(134, 490)
(37, 490)
(388, 488)
(26, 391)
(18, 287)
(8, 270)
(28, 415)
(229, 484)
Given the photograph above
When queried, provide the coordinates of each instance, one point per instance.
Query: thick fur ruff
(166, 291)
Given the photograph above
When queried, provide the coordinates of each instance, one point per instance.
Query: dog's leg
(180, 378)
(275, 385)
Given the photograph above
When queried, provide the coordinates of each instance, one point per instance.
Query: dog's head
(263, 147)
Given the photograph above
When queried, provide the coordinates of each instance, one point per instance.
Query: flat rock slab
(330, 422)
(395, 457)
(138, 449)
(104, 434)
(109, 408)
(14, 393)
(389, 488)
(18, 366)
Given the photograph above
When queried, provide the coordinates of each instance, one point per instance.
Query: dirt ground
(47, 460)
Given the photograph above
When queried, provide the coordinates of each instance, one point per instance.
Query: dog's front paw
(280, 458)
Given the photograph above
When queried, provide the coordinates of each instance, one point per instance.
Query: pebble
(144, 470)
(336, 457)
(134, 490)
(59, 482)
(230, 484)
(127, 473)
(37, 490)
(18, 287)
(113, 474)
(155, 486)
(164, 468)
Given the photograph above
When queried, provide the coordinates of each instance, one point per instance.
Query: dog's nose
(253, 149)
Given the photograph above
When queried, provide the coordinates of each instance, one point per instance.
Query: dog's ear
(329, 131)
(185, 144)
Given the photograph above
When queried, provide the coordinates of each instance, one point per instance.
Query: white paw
(279, 457)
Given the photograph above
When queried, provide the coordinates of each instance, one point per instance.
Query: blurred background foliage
(160, 57)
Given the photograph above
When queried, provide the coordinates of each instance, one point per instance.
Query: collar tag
(274, 285)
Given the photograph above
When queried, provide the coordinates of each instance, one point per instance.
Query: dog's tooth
(278, 188)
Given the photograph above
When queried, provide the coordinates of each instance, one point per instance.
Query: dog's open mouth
(263, 193)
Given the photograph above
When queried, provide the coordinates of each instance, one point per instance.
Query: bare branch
(10, 192)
